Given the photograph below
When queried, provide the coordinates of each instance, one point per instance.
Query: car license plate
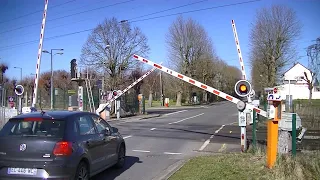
(23, 171)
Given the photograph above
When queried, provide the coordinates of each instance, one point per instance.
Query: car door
(111, 139)
(91, 141)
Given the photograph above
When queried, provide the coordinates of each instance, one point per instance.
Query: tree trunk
(150, 98)
(178, 98)
(310, 95)
(205, 97)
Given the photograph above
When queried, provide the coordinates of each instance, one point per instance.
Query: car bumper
(47, 171)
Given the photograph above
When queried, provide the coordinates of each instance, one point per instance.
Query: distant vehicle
(59, 145)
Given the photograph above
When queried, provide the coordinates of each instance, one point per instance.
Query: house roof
(294, 66)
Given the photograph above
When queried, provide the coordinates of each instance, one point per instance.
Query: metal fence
(6, 114)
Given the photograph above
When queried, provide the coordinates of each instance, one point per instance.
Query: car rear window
(34, 127)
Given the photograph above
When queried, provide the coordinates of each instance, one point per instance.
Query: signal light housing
(114, 93)
(19, 90)
(243, 88)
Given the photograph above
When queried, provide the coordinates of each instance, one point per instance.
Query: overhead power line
(25, 15)
(157, 17)
(128, 19)
(167, 10)
(203, 9)
(29, 25)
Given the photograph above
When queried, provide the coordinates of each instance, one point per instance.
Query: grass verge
(250, 166)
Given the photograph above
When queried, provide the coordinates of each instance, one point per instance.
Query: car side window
(85, 125)
(101, 124)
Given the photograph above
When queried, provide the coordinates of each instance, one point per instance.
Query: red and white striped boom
(236, 39)
(36, 79)
(102, 107)
(197, 83)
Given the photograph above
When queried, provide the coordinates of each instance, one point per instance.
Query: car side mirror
(106, 132)
(115, 130)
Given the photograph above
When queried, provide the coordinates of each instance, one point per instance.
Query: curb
(169, 171)
(134, 118)
(153, 116)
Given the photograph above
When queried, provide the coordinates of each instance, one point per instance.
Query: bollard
(254, 130)
(294, 134)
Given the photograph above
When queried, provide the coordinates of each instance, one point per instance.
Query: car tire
(82, 172)
(121, 157)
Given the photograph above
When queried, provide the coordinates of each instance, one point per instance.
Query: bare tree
(3, 68)
(188, 42)
(313, 52)
(110, 47)
(272, 41)
(151, 84)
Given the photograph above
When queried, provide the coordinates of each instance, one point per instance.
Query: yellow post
(272, 139)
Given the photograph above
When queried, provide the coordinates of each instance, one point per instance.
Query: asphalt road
(163, 110)
(155, 146)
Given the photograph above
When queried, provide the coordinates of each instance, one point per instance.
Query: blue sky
(217, 23)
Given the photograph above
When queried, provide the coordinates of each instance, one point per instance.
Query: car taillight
(62, 149)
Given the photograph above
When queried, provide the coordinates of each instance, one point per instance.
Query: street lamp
(20, 72)
(51, 78)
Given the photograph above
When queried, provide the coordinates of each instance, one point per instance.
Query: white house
(295, 84)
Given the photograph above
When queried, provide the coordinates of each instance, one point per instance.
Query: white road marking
(171, 153)
(127, 137)
(152, 129)
(187, 118)
(141, 151)
(216, 132)
(205, 144)
(175, 112)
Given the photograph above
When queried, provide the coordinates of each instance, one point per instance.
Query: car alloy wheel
(82, 172)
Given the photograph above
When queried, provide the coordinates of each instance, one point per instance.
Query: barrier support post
(272, 137)
(254, 131)
(294, 134)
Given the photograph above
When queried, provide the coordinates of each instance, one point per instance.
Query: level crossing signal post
(243, 88)
(75, 76)
(19, 90)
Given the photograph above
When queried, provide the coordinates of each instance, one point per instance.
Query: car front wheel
(121, 157)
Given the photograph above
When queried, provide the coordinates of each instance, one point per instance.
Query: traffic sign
(275, 90)
(71, 91)
(274, 97)
(242, 119)
(11, 99)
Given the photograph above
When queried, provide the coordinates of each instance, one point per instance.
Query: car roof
(51, 114)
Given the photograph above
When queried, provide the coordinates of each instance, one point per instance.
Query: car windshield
(34, 127)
